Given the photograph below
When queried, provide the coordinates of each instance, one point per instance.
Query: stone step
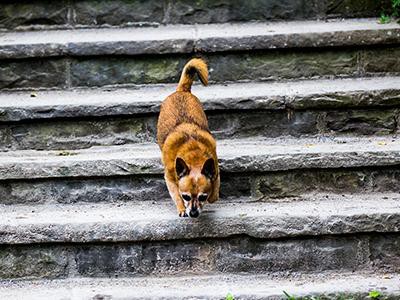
(350, 233)
(87, 117)
(133, 222)
(241, 155)
(92, 13)
(198, 38)
(256, 168)
(251, 51)
(325, 286)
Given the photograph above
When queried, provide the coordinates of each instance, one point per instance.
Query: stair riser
(265, 186)
(257, 65)
(90, 13)
(81, 133)
(232, 255)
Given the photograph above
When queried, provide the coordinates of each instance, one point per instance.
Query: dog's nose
(194, 213)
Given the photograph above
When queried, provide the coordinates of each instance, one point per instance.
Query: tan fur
(182, 132)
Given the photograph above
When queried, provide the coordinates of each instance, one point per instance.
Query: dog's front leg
(175, 195)
(215, 192)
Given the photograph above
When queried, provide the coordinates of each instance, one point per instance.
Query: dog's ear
(181, 168)
(208, 169)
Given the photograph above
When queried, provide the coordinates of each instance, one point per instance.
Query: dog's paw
(183, 214)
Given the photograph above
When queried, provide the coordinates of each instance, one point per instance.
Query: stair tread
(312, 215)
(301, 94)
(259, 286)
(235, 155)
(199, 37)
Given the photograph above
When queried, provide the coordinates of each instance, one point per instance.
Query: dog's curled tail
(195, 65)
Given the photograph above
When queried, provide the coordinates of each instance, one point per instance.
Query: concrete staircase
(306, 110)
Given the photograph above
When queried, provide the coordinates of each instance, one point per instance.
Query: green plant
(384, 19)
(339, 297)
(396, 8)
(289, 297)
(374, 294)
(229, 296)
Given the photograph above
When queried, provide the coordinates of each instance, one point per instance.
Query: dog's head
(195, 183)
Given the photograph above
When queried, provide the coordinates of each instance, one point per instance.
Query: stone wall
(226, 67)
(263, 186)
(91, 13)
(235, 255)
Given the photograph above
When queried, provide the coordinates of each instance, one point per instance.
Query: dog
(188, 149)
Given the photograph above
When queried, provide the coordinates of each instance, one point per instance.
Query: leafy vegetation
(289, 297)
(386, 18)
(396, 8)
(229, 296)
(374, 294)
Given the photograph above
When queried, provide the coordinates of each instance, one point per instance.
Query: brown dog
(188, 149)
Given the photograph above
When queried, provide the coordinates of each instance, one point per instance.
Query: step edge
(261, 155)
(106, 223)
(24, 106)
(195, 38)
(242, 286)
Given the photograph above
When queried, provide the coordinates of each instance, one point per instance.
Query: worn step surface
(240, 155)
(198, 38)
(256, 168)
(92, 13)
(379, 92)
(341, 233)
(252, 51)
(129, 222)
(331, 286)
(86, 117)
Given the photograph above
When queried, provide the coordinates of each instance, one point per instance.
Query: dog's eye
(186, 197)
(203, 197)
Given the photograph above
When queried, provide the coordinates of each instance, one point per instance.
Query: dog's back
(182, 107)
(188, 148)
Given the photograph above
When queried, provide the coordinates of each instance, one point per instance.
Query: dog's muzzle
(193, 212)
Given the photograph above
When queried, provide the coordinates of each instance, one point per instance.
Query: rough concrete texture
(237, 254)
(267, 65)
(194, 38)
(201, 256)
(33, 73)
(25, 13)
(374, 62)
(151, 221)
(78, 134)
(108, 190)
(240, 155)
(95, 13)
(38, 262)
(331, 286)
(295, 183)
(297, 95)
(362, 121)
(269, 186)
(116, 70)
(389, 258)
(239, 110)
